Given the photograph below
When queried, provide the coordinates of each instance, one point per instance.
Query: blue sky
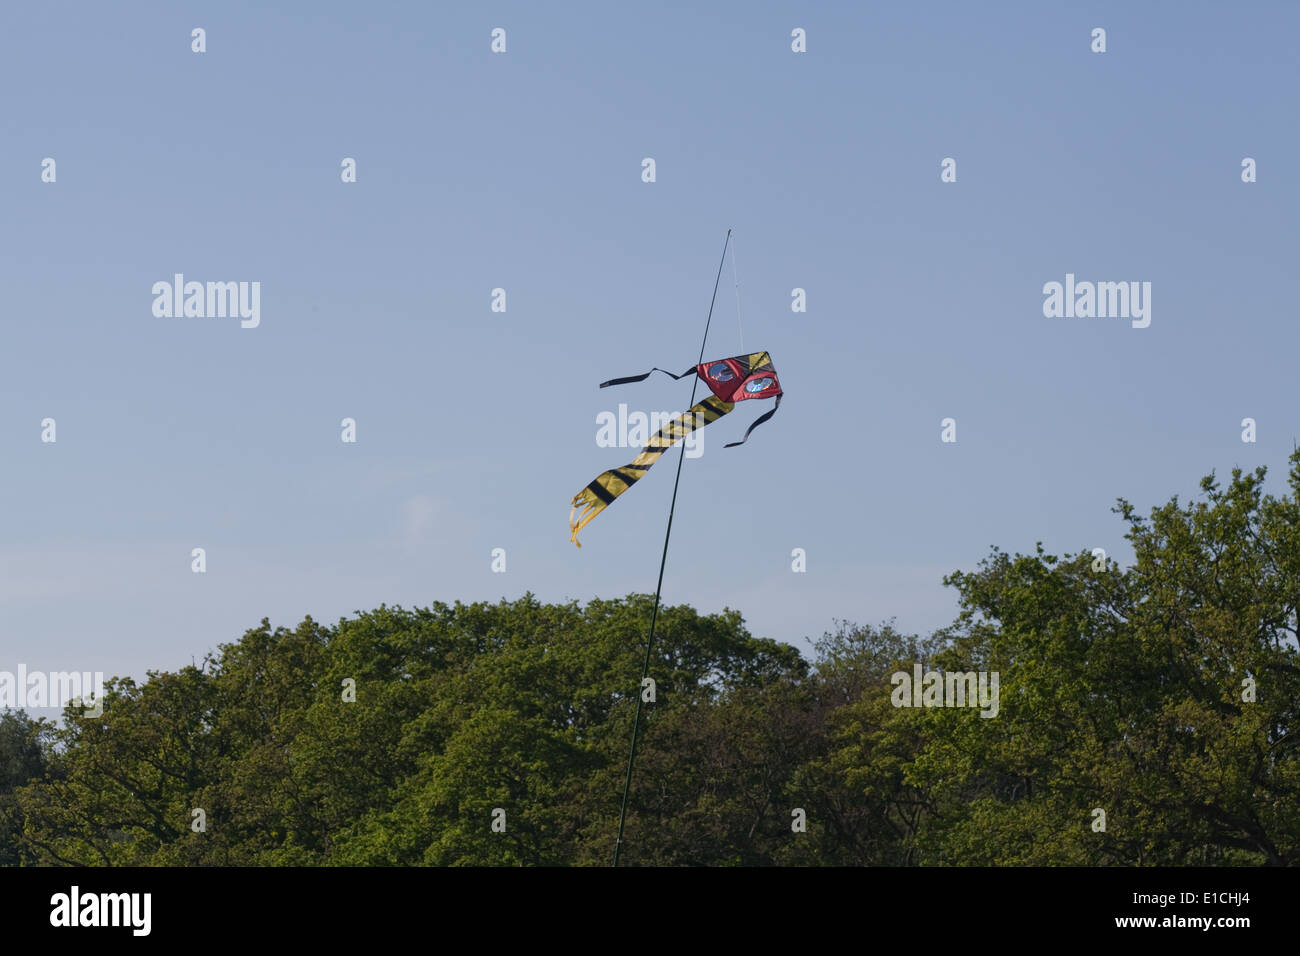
(522, 171)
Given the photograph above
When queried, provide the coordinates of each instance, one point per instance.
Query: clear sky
(522, 170)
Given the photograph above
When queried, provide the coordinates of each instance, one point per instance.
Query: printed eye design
(721, 372)
(759, 385)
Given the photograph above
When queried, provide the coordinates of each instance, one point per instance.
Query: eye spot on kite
(721, 372)
(759, 385)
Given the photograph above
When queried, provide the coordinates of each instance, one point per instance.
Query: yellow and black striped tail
(598, 495)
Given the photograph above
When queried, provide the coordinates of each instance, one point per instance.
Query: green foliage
(24, 748)
(396, 737)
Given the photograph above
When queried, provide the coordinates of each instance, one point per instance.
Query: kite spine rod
(654, 614)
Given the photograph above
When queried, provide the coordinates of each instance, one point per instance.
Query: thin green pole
(654, 615)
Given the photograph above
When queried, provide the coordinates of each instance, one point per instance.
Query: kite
(732, 380)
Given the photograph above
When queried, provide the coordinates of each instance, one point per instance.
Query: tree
(1162, 697)
(24, 757)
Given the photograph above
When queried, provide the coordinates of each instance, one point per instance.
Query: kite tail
(607, 486)
(591, 506)
(628, 380)
(758, 421)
